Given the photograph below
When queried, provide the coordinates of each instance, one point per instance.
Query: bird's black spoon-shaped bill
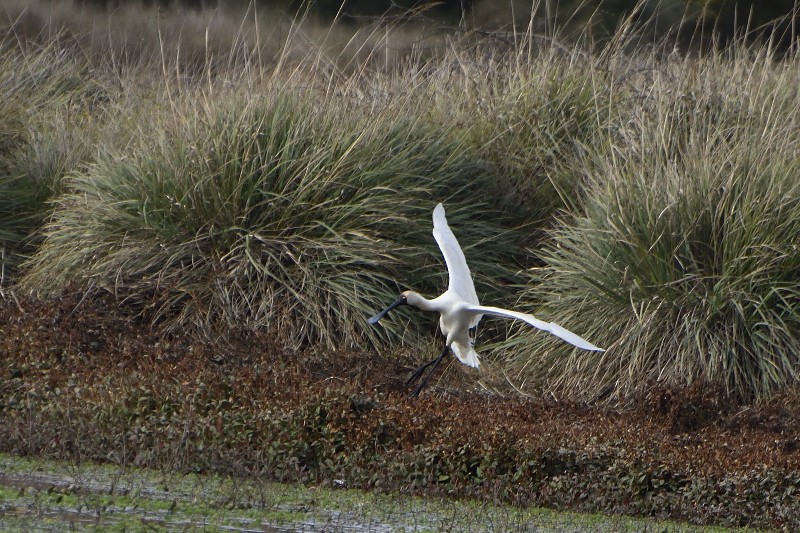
(401, 300)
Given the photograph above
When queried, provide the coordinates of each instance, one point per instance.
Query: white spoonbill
(459, 308)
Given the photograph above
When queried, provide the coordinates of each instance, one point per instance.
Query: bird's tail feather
(465, 353)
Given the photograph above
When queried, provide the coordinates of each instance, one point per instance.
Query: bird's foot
(415, 393)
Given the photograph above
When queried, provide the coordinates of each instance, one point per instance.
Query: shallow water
(40, 495)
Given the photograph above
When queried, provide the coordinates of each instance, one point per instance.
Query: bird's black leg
(418, 372)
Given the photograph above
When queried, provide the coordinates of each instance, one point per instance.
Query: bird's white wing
(550, 327)
(460, 277)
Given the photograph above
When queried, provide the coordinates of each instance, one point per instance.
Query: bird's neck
(420, 302)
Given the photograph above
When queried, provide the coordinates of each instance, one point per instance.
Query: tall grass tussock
(644, 197)
(265, 213)
(45, 93)
(688, 241)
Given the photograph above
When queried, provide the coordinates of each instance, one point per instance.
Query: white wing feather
(460, 278)
(550, 327)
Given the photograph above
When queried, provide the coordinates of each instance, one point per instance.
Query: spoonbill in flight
(460, 310)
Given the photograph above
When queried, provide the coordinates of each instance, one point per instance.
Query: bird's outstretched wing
(460, 278)
(550, 327)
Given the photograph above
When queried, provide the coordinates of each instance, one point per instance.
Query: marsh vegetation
(251, 177)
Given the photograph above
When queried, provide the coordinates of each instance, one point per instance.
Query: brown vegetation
(83, 382)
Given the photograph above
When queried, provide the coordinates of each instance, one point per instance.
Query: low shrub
(107, 389)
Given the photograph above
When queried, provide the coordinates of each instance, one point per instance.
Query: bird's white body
(455, 320)
(458, 306)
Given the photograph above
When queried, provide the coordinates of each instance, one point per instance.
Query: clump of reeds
(43, 137)
(268, 212)
(684, 262)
